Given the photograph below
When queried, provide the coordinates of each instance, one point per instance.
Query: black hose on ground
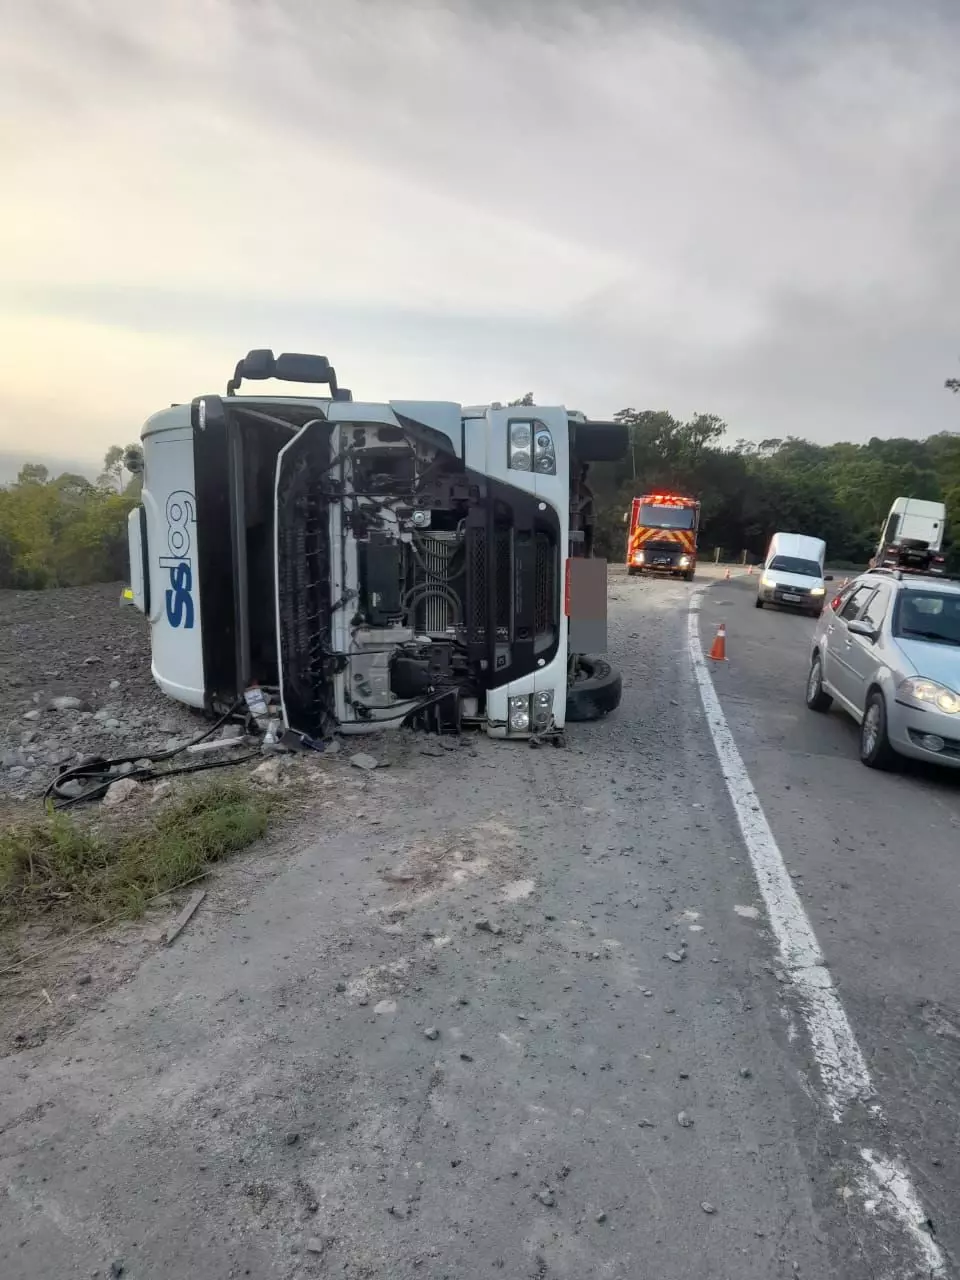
(97, 777)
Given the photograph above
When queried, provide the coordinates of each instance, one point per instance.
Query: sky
(749, 209)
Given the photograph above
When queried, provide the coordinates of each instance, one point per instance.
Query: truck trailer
(363, 566)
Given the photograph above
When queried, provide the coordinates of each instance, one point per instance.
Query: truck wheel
(758, 603)
(595, 692)
(688, 575)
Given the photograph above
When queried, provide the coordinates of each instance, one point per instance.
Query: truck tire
(596, 692)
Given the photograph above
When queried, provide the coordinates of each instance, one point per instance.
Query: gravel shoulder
(492, 1009)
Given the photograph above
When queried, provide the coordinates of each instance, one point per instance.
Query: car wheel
(758, 603)
(595, 692)
(817, 698)
(875, 749)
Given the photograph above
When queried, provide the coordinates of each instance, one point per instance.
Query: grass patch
(86, 871)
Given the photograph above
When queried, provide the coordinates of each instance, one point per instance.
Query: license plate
(661, 560)
(792, 598)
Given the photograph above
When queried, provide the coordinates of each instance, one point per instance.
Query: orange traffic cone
(726, 576)
(718, 650)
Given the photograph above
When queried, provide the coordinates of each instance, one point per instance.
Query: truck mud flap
(304, 612)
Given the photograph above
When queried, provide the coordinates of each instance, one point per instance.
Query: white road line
(842, 1066)
(843, 1069)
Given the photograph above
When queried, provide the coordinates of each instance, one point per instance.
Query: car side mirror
(828, 577)
(865, 629)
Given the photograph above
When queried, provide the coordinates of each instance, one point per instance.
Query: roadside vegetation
(68, 531)
(82, 867)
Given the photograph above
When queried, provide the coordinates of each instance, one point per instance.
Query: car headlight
(767, 582)
(817, 591)
(518, 711)
(684, 562)
(521, 446)
(928, 695)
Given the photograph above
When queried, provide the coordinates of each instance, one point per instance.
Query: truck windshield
(928, 615)
(654, 517)
(793, 564)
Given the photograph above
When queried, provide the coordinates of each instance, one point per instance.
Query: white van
(793, 573)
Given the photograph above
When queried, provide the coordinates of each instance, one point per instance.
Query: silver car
(887, 650)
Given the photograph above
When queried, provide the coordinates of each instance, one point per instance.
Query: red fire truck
(662, 537)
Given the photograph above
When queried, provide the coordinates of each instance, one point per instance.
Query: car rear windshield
(656, 517)
(928, 615)
(793, 564)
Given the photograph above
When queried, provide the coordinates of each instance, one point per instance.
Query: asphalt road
(877, 861)
(610, 1079)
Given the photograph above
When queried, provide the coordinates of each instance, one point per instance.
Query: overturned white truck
(372, 565)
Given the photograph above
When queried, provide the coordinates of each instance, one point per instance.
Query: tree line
(67, 531)
(839, 492)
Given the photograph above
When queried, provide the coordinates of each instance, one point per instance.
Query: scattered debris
(432, 1033)
(600, 1217)
(745, 1073)
(385, 1006)
(314, 1245)
(180, 921)
(546, 1197)
(684, 1121)
(485, 926)
(119, 792)
(362, 761)
(677, 957)
(707, 1207)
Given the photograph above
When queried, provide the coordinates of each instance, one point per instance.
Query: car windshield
(928, 615)
(793, 564)
(657, 517)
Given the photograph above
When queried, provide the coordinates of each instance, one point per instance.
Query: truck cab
(912, 536)
(368, 565)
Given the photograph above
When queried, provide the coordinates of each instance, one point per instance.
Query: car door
(860, 651)
(837, 669)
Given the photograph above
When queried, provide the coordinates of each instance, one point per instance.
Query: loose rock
(120, 792)
(432, 1033)
(684, 1121)
(546, 1197)
(362, 761)
(707, 1207)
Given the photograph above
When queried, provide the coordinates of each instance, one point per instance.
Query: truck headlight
(518, 712)
(817, 591)
(684, 562)
(542, 709)
(545, 458)
(638, 557)
(521, 446)
(928, 695)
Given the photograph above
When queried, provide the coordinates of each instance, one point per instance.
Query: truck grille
(303, 586)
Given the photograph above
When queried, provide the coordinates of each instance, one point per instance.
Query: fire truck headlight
(638, 557)
(542, 708)
(684, 562)
(518, 711)
(521, 446)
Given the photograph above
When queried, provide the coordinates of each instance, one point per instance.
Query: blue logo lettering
(178, 597)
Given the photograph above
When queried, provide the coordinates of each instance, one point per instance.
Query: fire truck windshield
(672, 517)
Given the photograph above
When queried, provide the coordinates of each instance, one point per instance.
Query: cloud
(631, 204)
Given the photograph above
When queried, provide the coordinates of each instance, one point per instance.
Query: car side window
(876, 609)
(856, 602)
